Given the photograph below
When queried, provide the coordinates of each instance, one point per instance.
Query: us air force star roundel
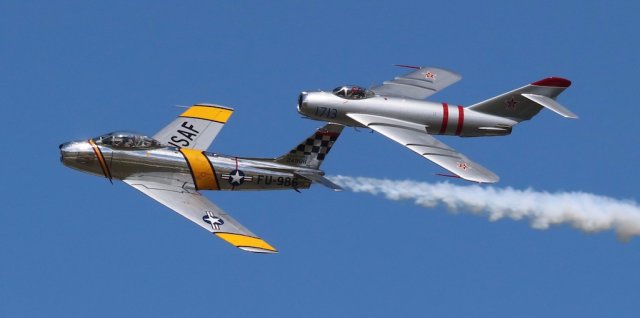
(213, 220)
(236, 177)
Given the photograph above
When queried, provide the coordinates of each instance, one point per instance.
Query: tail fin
(525, 102)
(311, 152)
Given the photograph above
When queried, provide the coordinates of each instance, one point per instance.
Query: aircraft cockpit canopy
(352, 92)
(127, 140)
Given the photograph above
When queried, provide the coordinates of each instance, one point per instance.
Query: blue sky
(74, 245)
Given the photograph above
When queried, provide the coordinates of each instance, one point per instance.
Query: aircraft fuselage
(435, 118)
(187, 168)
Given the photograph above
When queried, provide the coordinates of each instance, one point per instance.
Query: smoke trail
(584, 211)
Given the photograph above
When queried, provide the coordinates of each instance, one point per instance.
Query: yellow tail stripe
(239, 240)
(201, 169)
(213, 113)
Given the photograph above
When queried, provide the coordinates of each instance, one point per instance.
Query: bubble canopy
(127, 140)
(352, 92)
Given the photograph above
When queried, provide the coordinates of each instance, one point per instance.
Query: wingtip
(488, 179)
(212, 105)
(570, 115)
(258, 250)
(247, 243)
(553, 82)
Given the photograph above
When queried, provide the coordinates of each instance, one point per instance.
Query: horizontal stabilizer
(551, 105)
(320, 179)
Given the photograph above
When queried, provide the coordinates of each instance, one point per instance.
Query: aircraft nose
(301, 99)
(69, 150)
(63, 149)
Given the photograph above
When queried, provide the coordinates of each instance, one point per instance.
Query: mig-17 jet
(173, 167)
(398, 110)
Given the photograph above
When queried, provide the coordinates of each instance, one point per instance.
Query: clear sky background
(75, 245)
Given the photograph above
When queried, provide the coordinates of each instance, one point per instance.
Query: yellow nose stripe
(204, 177)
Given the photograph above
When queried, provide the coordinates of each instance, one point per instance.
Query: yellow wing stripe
(239, 240)
(213, 113)
(202, 171)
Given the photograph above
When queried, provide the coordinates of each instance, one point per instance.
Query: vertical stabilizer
(312, 151)
(525, 102)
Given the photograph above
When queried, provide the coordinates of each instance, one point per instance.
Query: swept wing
(419, 84)
(415, 137)
(199, 210)
(195, 128)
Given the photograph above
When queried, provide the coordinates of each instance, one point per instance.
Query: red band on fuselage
(445, 118)
(460, 120)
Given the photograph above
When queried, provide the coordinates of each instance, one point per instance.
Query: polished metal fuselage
(435, 118)
(169, 165)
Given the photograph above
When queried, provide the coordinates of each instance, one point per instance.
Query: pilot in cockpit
(352, 92)
(127, 140)
(357, 92)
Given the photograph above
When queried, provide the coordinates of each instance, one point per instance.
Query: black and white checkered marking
(319, 144)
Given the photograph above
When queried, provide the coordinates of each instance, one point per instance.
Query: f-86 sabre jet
(397, 110)
(173, 167)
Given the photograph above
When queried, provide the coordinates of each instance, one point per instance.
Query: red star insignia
(463, 166)
(430, 75)
(511, 104)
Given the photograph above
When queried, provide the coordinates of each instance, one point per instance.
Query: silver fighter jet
(397, 110)
(173, 166)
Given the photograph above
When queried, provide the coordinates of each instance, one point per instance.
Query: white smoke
(584, 211)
